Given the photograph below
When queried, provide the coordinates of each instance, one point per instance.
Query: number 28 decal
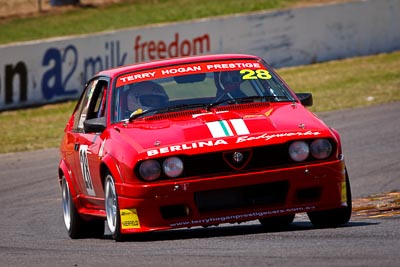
(87, 178)
(249, 74)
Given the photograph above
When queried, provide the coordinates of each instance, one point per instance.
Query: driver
(230, 82)
(145, 95)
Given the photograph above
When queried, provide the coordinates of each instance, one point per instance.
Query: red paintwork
(180, 133)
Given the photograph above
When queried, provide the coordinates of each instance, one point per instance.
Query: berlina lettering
(182, 147)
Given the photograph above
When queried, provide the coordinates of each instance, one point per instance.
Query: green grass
(335, 85)
(130, 13)
(348, 83)
(34, 128)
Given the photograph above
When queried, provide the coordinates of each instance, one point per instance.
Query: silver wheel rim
(111, 204)
(66, 202)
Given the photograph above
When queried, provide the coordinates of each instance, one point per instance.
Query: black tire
(335, 217)
(76, 226)
(94, 228)
(112, 208)
(278, 222)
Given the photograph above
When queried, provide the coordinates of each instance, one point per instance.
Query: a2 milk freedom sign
(59, 71)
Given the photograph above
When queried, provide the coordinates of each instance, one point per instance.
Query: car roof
(173, 61)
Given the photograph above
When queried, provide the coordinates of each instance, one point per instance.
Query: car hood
(222, 129)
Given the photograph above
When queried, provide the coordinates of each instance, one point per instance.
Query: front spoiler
(146, 201)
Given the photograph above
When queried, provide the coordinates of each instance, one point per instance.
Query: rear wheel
(76, 226)
(112, 208)
(278, 221)
(331, 218)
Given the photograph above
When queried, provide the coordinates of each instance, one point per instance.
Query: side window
(100, 106)
(92, 104)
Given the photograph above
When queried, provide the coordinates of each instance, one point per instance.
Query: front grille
(218, 162)
(266, 195)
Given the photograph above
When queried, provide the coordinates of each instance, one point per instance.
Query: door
(86, 146)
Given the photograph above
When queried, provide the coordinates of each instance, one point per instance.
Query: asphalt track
(32, 231)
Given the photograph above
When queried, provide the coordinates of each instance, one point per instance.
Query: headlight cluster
(319, 149)
(150, 170)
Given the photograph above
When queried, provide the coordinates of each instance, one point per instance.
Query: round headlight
(299, 151)
(321, 148)
(173, 166)
(150, 170)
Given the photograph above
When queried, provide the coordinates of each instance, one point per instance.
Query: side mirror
(96, 125)
(306, 99)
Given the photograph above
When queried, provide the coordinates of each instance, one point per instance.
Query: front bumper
(234, 198)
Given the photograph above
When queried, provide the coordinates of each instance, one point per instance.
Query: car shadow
(226, 230)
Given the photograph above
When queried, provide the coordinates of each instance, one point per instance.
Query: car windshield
(195, 85)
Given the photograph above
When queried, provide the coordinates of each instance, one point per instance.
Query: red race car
(197, 141)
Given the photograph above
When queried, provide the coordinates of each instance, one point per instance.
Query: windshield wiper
(165, 110)
(277, 98)
(256, 97)
(214, 104)
(138, 115)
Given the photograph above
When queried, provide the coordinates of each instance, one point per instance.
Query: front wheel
(332, 218)
(112, 208)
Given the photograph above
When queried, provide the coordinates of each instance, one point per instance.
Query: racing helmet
(230, 80)
(146, 95)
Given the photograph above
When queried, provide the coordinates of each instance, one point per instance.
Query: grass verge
(348, 83)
